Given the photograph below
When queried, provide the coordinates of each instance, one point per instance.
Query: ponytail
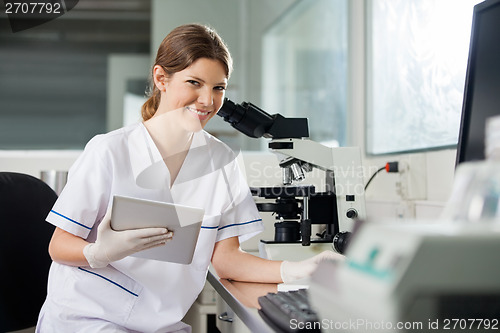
(151, 105)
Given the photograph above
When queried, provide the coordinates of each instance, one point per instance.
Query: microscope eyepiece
(255, 122)
(246, 118)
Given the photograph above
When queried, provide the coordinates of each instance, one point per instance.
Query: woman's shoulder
(221, 154)
(111, 145)
(104, 150)
(112, 138)
(216, 144)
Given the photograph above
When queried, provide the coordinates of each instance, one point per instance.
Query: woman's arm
(110, 245)
(66, 248)
(230, 262)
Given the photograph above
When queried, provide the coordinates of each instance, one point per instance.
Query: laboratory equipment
(481, 97)
(476, 192)
(475, 196)
(339, 203)
(289, 311)
(414, 276)
(55, 179)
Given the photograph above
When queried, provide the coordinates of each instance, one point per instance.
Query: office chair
(25, 202)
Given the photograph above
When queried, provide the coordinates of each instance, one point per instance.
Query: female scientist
(94, 283)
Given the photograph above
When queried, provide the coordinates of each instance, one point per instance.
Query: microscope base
(291, 251)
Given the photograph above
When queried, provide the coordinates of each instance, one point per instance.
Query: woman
(94, 285)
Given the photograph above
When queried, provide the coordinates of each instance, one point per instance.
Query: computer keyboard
(288, 311)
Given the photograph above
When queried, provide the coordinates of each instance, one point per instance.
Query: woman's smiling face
(197, 92)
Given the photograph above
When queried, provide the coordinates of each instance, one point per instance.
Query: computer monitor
(482, 83)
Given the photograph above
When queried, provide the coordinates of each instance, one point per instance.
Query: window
(53, 91)
(417, 60)
(305, 67)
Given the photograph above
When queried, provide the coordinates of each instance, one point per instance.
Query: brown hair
(179, 50)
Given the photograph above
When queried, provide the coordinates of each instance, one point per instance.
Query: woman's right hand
(296, 270)
(112, 245)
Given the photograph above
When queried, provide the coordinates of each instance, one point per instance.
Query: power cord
(389, 167)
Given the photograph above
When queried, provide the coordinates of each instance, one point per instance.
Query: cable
(373, 176)
(389, 167)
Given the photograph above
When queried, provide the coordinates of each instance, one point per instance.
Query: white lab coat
(135, 294)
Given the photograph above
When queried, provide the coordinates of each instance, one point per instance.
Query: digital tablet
(185, 222)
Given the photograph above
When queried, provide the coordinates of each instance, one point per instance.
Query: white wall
(33, 162)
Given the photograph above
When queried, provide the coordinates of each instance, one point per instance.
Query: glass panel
(417, 65)
(305, 67)
(53, 76)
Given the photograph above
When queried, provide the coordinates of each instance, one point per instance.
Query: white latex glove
(296, 270)
(112, 245)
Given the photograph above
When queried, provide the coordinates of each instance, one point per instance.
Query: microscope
(337, 206)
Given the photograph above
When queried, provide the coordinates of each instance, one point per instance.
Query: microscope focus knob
(351, 213)
(341, 240)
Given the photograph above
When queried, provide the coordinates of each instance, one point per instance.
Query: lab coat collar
(148, 168)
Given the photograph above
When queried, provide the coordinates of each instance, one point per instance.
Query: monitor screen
(482, 84)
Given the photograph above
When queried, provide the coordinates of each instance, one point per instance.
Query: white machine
(412, 277)
(339, 203)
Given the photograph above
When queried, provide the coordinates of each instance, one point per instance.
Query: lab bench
(237, 304)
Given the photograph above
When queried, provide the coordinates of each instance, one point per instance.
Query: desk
(242, 297)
